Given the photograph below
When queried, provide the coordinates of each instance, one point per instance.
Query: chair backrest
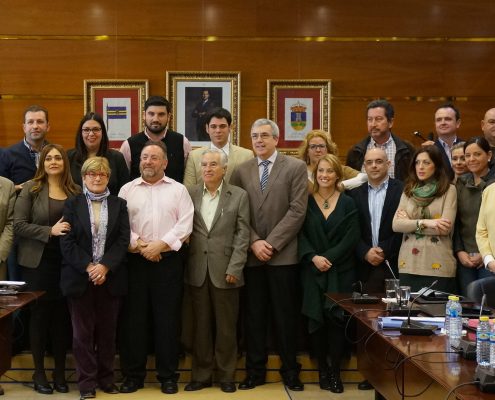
(477, 289)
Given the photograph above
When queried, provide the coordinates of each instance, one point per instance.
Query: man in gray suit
(218, 123)
(7, 200)
(278, 196)
(217, 254)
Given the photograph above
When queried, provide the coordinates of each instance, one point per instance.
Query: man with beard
(161, 219)
(156, 115)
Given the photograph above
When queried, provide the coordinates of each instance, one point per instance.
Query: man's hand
(375, 256)
(262, 250)
(427, 143)
(152, 250)
(230, 278)
(97, 273)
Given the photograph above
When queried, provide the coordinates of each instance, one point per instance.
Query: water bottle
(455, 318)
(483, 342)
(492, 347)
(446, 325)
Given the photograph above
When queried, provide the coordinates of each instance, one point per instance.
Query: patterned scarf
(98, 237)
(423, 196)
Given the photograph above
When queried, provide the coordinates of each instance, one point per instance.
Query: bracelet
(419, 226)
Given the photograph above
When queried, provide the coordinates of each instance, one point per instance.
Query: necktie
(264, 175)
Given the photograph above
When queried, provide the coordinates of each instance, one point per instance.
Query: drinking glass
(391, 288)
(403, 295)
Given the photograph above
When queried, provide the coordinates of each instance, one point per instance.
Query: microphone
(417, 328)
(418, 134)
(390, 269)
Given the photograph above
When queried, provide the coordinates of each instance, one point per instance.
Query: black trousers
(153, 304)
(271, 290)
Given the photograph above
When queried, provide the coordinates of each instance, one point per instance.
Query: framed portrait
(193, 94)
(120, 102)
(298, 106)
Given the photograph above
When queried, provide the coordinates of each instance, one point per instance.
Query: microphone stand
(416, 328)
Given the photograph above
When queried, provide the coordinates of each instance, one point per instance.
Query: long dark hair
(440, 174)
(41, 177)
(81, 150)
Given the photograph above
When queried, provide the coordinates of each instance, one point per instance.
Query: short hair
(389, 108)
(41, 178)
(95, 164)
(219, 113)
(451, 106)
(158, 101)
(480, 141)
(334, 161)
(36, 108)
(81, 151)
(223, 157)
(303, 148)
(266, 121)
(440, 174)
(160, 144)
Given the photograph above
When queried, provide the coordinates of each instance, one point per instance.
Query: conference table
(8, 305)
(400, 366)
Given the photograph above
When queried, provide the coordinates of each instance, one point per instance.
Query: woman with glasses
(92, 140)
(38, 226)
(426, 217)
(317, 144)
(94, 276)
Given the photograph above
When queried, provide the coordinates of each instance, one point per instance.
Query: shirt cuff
(488, 259)
(173, 242)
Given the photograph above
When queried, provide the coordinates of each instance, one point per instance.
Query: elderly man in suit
(277, 188)
(217, 254)
(218, 123)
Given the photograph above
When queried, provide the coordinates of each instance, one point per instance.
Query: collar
(218, 192)
(272, 158)
(164, 179)
(160, 137)
(225, 148)
(375, 144)
(383, 185)
(31, 148)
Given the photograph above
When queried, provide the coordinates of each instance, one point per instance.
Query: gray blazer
(223, 249)
(192, 174)
(7, 201)
(278, 213)
(31, 225)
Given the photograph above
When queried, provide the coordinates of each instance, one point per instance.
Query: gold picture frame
(298, 106)
(186, 91)
(121, 104)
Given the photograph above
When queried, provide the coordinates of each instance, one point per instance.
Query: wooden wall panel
(417, 53)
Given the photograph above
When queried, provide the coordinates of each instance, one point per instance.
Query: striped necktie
(264, 175)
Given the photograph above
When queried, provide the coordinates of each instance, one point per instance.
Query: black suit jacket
(388, 240)
(445, 157)
(76, 247)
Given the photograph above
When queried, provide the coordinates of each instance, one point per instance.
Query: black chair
(485, 286)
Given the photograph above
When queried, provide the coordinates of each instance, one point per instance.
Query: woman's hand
(401, 214)
(442, 225)
(465, 259)
(97, 273)
(60, 228)
(321, 263)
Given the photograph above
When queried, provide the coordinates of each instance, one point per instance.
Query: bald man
(488, 128)
(377, 202)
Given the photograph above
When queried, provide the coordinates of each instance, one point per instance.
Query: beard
(156, 128)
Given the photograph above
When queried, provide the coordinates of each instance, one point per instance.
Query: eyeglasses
(263, 135)
(378, 161)
(317, 146)
(87, 131)
(100, 175)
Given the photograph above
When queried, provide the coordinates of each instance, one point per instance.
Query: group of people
(112, 236)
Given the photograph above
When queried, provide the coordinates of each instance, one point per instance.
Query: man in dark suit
(377, 203)
(277, 188)
(217, 255)
(202, 107)
(447, 122)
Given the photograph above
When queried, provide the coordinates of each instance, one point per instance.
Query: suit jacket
(223, 249)
(16, 163)
(445, 157)
(77, 252)
(7, 200)
(278, 213)
(31, 225)
(192, 175)
(388, 240)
